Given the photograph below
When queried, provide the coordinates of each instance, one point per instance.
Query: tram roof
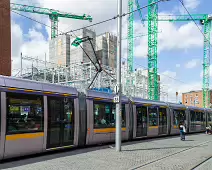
(103, 95)
(34, 85)
(146, 101)
(176, 105)
(208, 109)
(195, 108)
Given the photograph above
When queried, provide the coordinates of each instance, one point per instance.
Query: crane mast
(53, 15)
(205, 20)
(130, 43)
(130, 34)
(206, 64)
(153, 91)
(130, 38)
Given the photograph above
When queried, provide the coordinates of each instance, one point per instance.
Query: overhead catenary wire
(98, 23)
(181, 2)
(115, 17)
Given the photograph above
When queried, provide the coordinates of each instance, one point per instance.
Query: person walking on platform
(182, 131)
(208, 130)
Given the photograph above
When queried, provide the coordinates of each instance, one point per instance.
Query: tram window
(105, 114)
(210, 118)
(24, 113)
(113, 115)
(198, 118)
(203, 117)
(162, 117)
(192, 114)
(141, 115)
(178, 116)
(123, 114)
(102, 115)
(153, 116)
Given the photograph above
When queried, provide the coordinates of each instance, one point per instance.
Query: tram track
(201, 163)
(175, 153)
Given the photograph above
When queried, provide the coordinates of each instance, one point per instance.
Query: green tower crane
(153, 91)
(205, 20)
(130, 34)
(53, 15)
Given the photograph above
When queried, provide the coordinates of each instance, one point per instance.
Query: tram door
(162, 121)
(153, 121)
(60, 122)
(141, 113)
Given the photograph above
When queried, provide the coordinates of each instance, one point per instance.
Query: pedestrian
(182, 131)
(208, 130)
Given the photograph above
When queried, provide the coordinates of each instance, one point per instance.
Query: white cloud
(173, 84)
(193, 63)
(16, 38)
(191, 6)
(99, 10)
(178, 65)
(37, 46)
(171, 37)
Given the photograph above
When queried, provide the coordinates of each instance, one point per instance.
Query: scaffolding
(80, 75)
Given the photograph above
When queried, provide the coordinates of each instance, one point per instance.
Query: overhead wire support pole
(118, 79)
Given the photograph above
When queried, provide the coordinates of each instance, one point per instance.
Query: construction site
(88, 60)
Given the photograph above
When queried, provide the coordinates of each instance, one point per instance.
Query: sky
(180, 44)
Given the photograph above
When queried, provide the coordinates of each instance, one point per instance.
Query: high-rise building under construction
(77, 54)
(106, 47)
(61, 52)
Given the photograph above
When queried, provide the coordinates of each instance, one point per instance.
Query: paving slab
(167, 153)
(207, 165)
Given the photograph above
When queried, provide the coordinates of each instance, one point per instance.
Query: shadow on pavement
(16, 162)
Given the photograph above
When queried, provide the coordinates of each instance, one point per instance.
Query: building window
(24, 113)
(196, 100)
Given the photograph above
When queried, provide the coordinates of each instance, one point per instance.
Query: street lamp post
(118, 79)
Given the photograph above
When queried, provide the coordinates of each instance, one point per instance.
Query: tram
(38, 117)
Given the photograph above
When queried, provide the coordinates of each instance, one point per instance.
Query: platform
(152, 154)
